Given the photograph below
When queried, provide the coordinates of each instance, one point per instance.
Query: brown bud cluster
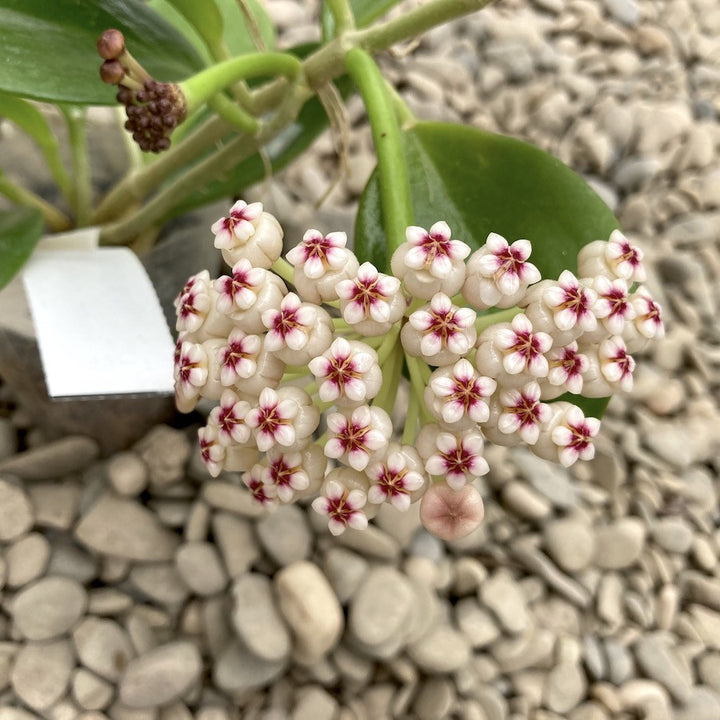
(153, 109)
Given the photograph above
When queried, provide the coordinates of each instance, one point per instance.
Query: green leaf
(217, 28)
(20, 231)
(237, 38)
(204, 17)
(29, 119)
(480, 183)
(165, 9)
(49, 52)
(365, 11)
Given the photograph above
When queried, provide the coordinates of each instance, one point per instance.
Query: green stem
(199, 88)
(389, 344)
(54, 219)
(342, 14)
(402, 111)
(392, 372)
(419, 372)
(284, 269)
(411, 421)
(136, 185)
(322, 66)
(82, 181)
(234, 115)
(415, 22)
(219, 162)
(485, 321)
(395, 196)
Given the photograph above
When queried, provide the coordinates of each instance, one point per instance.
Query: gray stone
(160, 582)
(41, 673)
(565, 687)
(442, 650)
(550, 479)
(524, 501)
(233, 498)
(501, 594)
(619, 661)
(103, 647)
(624, 11)
(311, 609)
(90, 691)
(657, 660)
(27, 558)
(55, 503)
(619, 545)
(285, 535)
(128, 473)
(53, 460)
(672, 534)
(380, 608)
(122, 527)
(345, 570)
(256, 619)
(200, 567)
(435, 699)
(16, 512)
(48, 608)
(166, 452)
(476, 624)
(235, 538)
(709, 670)
(570, 543)
(161, 675)
(237, 670)
(702, 704)
(314, 703)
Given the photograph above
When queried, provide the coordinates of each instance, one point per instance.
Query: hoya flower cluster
(304, 357)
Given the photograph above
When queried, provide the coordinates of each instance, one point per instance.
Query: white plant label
(98, 321)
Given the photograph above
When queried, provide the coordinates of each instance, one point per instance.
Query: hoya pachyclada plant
(484, 274)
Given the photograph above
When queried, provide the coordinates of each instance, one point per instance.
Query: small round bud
(111, 44)
(112, 72)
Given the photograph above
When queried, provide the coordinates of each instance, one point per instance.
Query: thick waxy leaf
(365, 11)
(27, 117)
(235, 33)
(480, 183)
(49, 53)
(20, 231)
(217, 26)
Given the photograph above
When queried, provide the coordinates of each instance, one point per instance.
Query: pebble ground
(136, 588)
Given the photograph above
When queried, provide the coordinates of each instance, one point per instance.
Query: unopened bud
(111, 44)
(112, 72)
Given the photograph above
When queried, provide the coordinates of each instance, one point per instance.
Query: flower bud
(451, 514)
(111, 44)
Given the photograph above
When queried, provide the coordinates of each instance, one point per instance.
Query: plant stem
(342, 14)
(220, 161)
(134, 186)
(389, 344)
(202, 86)
(485, 321)
(411, 420)
(418, 383)
(284, 269)
(395, 196)
(54, 219)
(82, 181)
(392, 371)
(319, 68)
(233, 114)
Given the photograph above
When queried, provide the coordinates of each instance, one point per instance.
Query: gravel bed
(135, 587)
